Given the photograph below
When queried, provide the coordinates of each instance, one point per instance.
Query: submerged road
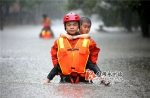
(25, 62)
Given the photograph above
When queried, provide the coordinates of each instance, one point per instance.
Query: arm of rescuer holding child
(74, 37)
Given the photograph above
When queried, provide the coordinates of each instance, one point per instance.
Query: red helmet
(70, 17)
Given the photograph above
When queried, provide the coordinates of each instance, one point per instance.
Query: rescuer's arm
(94, 50)
(53, 53)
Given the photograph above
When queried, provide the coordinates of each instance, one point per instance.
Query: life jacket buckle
(72, 68)
(73, 49)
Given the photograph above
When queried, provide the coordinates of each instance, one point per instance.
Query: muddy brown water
(25, 62)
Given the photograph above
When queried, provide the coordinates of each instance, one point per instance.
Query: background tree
(128, 14)
(17, 12)
(142, 8)
(4, 8)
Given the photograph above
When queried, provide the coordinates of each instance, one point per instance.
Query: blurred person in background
(46, 21)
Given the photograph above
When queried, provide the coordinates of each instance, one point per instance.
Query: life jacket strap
(74, 77)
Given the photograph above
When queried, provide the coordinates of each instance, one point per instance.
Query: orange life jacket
(73, 60)
(46, 34)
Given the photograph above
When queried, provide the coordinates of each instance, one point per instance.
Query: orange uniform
(94, 50)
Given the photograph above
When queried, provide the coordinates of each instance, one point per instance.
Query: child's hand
(69, 37)
(74, 37)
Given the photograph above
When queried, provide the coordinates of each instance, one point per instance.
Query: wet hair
(44, 15)
(85, 19)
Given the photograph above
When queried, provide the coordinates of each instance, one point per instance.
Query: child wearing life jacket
(85, 28)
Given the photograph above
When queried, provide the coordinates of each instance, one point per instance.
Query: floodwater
(25, 62)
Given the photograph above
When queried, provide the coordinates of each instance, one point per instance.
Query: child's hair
(85, 19)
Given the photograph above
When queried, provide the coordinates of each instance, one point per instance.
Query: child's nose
(72, 26)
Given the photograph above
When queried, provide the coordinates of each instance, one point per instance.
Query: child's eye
(68, 24)
(75, 24)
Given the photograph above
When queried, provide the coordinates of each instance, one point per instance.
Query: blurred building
(22, 14)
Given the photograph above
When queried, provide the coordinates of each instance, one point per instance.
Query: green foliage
(133, 4)
(28, 3)
(113, 13)
(23, 3)
(86, 5)
(6, 2)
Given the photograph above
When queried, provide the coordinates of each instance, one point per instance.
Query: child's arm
(82, 36)
(66, 35)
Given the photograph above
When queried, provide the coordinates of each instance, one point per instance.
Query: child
(85, 28)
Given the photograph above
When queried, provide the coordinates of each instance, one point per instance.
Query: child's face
(85, 28)
(72, 27)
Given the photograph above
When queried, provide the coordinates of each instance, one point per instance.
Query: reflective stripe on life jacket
(73, 59)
